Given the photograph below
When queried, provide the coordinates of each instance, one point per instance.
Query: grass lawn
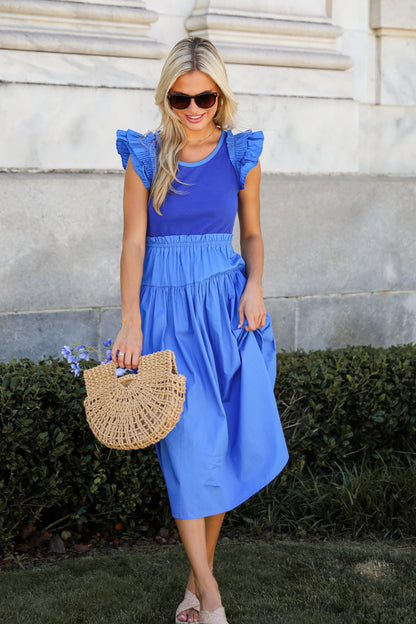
(262, 582)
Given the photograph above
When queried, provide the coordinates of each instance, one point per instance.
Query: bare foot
(190, 615)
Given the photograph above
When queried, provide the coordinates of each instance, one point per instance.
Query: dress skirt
(228, 443)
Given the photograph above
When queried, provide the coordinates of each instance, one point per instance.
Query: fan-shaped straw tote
(134, 411)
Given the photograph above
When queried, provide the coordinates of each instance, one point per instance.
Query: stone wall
(332, 84)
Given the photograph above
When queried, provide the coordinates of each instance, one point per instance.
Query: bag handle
(154, 365)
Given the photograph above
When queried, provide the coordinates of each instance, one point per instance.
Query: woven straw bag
(134, 411)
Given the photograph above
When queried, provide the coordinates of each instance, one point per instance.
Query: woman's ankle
(191, 585)
(208, 594)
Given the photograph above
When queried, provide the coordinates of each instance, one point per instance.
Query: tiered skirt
(229, 441)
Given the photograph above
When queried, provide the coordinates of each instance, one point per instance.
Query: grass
(270, 582)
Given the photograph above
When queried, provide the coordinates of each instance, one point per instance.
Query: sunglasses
(203, 100)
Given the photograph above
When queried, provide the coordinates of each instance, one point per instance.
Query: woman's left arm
(251, 242)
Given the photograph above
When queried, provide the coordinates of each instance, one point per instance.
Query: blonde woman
(184, 288)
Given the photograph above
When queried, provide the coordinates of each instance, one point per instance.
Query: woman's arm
(130, 338)
(251, 242)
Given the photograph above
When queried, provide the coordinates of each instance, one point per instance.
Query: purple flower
(68, 354)
(75, 369)
(106, 361)
(75, 354)
(121, 371)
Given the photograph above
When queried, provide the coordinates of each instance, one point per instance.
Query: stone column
(388, 124)
(97, 27)
(278, 33)
(396, 34)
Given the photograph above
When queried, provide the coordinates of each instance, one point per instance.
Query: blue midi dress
(228, 443)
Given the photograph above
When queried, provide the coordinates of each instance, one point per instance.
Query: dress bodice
(205, 197)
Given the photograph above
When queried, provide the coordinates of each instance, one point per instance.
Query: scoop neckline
(207, 158)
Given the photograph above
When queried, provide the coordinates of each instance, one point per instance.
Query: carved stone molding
(387, 19)
(82, 27)
(395, 29)
(260, 37)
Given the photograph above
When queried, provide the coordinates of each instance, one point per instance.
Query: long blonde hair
(191, 54)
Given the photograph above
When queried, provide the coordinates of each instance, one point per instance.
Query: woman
(184, 288)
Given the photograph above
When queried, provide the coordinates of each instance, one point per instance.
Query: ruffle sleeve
(143, 151)
(244, 150)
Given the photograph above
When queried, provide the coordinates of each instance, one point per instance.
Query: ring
(120, 353)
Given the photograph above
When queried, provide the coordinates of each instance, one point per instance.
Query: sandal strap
(189, 602)
(213, 617)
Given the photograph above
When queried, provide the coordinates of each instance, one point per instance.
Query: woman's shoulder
(244, 149)
(142, 149)
(137, 140)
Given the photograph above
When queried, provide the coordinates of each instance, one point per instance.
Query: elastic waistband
(188, 240)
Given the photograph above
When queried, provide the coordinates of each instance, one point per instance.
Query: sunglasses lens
(206, 100)
(179, 101)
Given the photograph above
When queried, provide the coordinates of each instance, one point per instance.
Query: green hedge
(350, 421)
(349, 417)
(52, 467)
(345, 404)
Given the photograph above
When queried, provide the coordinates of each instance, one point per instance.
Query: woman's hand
(127, 347)
(252, 307)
